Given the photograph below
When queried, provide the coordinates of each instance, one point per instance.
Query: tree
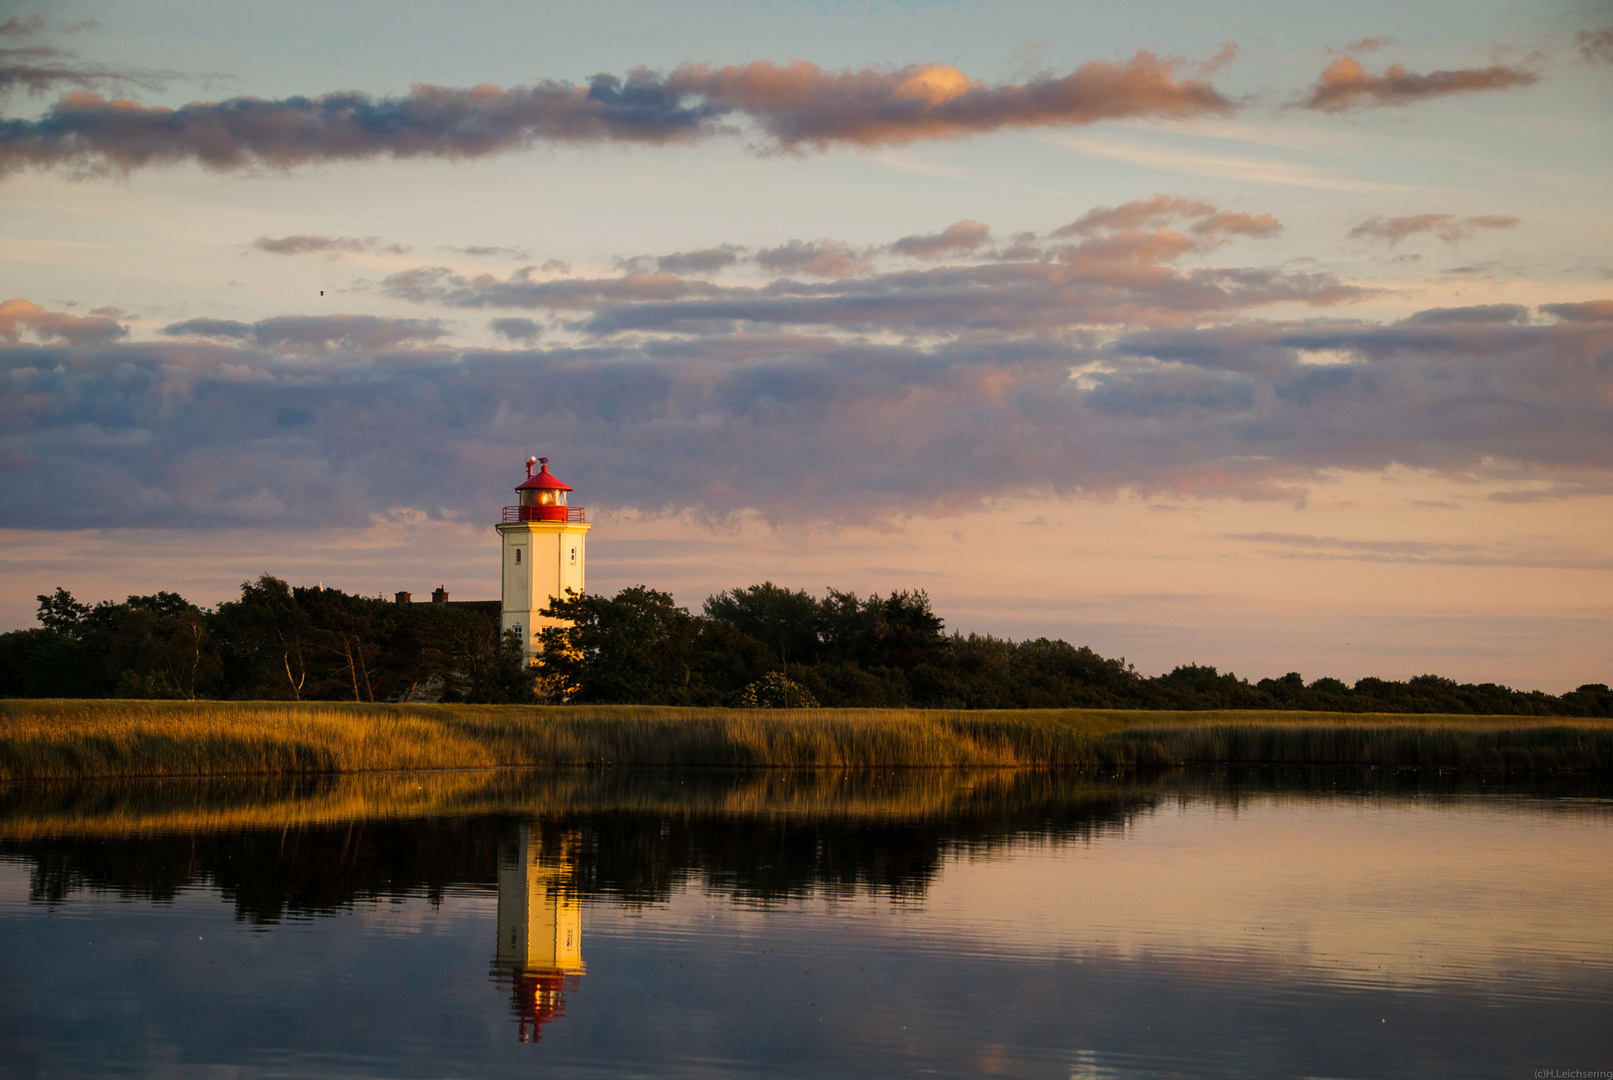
(264, 642)
(636, 647)
(501, 675)
(161, 648)
(60, 613)
(774, 691)
(784, 620)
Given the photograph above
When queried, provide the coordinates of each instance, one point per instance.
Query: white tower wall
(539, 920)
(542, 559)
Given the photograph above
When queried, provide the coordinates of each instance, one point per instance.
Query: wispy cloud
(1190, 163)
(1448, 227)
(480, 251)
(1427, 552)
(1595, 46)
(1113, 266)
(332, 246)
(37, 68)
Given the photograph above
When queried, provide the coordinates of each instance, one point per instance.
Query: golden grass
(44, 740)
(153, 806)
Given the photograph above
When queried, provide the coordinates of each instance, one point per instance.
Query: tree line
(277, 642)
(762, 646)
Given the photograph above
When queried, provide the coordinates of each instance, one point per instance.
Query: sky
(1264, 336)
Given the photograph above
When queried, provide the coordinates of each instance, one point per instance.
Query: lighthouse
(539, 925)
(544, 553)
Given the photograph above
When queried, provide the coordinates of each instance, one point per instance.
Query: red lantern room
(542, 497)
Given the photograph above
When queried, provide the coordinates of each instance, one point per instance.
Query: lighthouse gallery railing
(545, 513)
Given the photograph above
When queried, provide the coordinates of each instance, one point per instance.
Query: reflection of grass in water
(42, 740)
(1542, 748)
(149, 807)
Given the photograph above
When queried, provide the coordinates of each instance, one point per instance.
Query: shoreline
(53, 739)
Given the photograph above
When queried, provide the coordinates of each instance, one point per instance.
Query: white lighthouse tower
(544, 553)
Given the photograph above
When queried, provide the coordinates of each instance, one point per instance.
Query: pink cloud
(1346, 85)
(19, 315)
(1596, 46)
(956, 239)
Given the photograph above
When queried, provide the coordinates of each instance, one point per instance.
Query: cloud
(1135, 215)
(333, 246)
(1479, 313)
(1236, 223)
(1588, 311)
(1448, 227)
(478, 251)
(1106, 272)
(1156, 210)
(38, 68)
(1367, 44)
(319, 332)
(438, 284)
(1346, 85)
(1596, 46)
(23, 26)
(1302, 546)
(231, 426)
(704, 261)
(1179, 159)
(35, 25)
(801, 104)
(523, 330)
(819, 258)
(956, 239)
(790, 106)
(20, 315)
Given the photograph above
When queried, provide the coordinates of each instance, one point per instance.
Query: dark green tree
(635, 647)
(784, 620)
(500, 674)
(161, 648)
(265, 643)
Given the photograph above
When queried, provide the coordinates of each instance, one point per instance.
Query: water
(719, 924)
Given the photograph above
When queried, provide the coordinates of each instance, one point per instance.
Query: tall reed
(42, 740)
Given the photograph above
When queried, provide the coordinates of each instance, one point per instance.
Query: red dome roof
(542, 479)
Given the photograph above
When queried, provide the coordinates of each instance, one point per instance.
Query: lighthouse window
(517, 556)
(573, 556)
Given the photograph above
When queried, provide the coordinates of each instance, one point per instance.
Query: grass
(155, 806)
(58, 740)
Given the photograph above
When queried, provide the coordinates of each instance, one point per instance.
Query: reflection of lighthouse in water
(539, 926)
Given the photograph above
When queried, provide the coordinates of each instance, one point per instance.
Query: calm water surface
(725, 924)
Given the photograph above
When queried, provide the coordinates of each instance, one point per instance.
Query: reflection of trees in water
(1559, 792)
(634, 838)
(268, 875)
(637, 835)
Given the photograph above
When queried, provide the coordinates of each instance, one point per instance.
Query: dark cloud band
(229, 431)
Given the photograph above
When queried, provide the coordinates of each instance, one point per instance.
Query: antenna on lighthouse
(531, 461)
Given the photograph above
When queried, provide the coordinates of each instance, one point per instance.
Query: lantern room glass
(542, 497)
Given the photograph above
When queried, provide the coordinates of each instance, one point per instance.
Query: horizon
(1233, 337)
